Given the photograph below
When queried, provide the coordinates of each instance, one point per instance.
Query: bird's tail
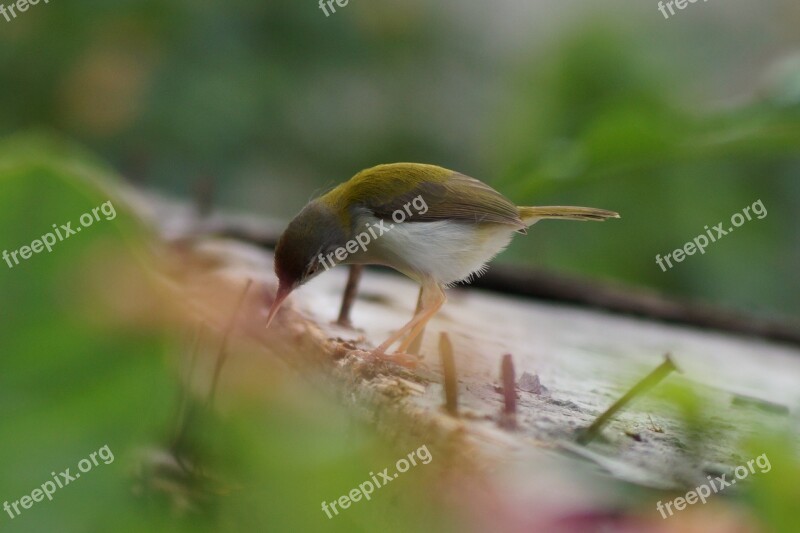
(530, 215)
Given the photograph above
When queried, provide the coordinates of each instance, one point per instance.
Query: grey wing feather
(460, 198)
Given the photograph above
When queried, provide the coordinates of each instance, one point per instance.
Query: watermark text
(383, 478)
(701, 242)
(717, 484)
(59, 481)
(65, 231)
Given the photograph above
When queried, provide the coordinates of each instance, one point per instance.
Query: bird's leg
(416, 344)
(349, 296)
(433, 300)
(417, 330)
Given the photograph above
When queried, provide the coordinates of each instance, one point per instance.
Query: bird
(434, 225)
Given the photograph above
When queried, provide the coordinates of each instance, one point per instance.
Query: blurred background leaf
(677, 124)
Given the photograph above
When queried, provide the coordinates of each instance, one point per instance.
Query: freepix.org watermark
(49, 487)
(718, 484)
(340, 3)
(680, 4)
(20, 6)
(364, 238)
(65, 231)
(701, 242)
(383, 478)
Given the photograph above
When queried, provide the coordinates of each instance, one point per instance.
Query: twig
(509, 415)
(183, 404)
(649, 381)
(223, 350)
(204, 196)
(449, 370)
(630, 300)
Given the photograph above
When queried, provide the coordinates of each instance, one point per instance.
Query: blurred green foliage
(275, 102)
(77, 375)
(599, 127)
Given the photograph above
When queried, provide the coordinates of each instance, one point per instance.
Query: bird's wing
(440, 195)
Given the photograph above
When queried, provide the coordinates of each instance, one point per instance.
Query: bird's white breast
(447, 251)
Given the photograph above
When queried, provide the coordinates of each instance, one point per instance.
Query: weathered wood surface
(584, 359)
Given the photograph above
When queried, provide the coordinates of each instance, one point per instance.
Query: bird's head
(313, 233)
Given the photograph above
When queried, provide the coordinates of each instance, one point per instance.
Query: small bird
(434, 225)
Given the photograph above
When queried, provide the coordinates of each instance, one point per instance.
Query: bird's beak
(283, 292)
